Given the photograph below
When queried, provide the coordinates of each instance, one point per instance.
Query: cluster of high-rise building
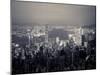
(61, 36)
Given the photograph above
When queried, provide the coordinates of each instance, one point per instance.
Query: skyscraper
(46, 33)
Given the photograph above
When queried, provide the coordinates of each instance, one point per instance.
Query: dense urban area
(50, 48)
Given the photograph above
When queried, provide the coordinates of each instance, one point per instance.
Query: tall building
(46, 33)
(78, 36)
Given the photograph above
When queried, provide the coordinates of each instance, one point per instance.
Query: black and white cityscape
(51, 37)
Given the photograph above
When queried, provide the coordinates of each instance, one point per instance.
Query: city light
(70, 35)
(17, 45)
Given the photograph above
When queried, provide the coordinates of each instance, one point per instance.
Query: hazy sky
(29, 13)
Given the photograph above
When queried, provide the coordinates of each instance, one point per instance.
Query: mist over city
(51, 37)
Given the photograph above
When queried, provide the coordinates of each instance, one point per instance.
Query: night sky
(30, 13)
